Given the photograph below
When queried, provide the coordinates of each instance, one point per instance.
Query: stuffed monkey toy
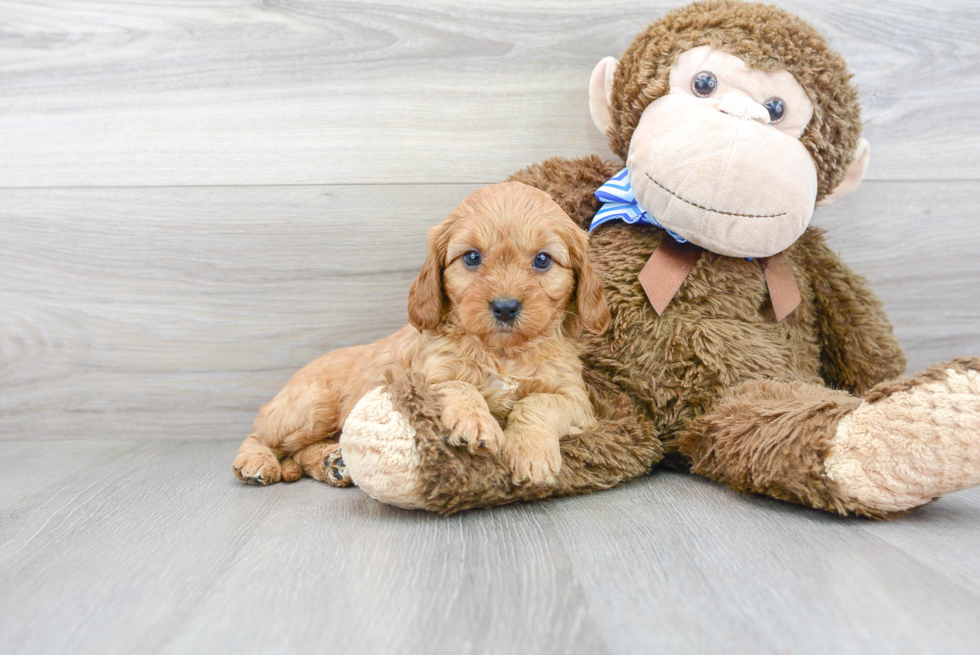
(741, 346)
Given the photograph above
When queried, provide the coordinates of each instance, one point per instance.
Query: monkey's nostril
(505, 310)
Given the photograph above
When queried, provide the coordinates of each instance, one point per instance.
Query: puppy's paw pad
(336, 470)
(325, 462)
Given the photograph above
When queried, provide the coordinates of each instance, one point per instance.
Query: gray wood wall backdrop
(196, 198)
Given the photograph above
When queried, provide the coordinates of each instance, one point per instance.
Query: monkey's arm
(857, 346)
(395, 449)
(571, 183)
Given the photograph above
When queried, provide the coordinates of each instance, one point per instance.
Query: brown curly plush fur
(764, 37)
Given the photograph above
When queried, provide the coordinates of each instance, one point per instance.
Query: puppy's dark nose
(505, 309)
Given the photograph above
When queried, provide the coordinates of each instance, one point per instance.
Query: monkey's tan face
(718, 160)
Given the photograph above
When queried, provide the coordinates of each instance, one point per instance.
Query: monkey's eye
(776, 109)
(541, 261)
(472, 259)
(704, 84)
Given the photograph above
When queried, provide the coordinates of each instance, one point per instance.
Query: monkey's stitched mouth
(708, 209)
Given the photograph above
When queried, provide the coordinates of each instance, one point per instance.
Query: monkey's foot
(911, 440)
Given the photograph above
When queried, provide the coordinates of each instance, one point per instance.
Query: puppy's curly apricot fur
(504, 292)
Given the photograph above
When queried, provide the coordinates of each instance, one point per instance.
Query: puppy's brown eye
(541, 261)
(471, 259)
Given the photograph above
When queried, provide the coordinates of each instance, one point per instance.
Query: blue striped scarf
(619, 204)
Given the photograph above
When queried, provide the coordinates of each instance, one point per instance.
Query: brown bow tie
(671, 262)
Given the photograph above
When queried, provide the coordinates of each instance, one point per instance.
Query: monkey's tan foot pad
(379, 451)
(257, 468)
(911, 440)
(337, 474)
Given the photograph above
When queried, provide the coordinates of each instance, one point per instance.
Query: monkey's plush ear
(600, 93)
(855, 173)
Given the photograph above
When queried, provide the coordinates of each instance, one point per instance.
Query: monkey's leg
(909, 441)
(396, 450)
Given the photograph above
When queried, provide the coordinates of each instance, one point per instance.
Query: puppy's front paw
(472, 427)
(257, 468)
(532, 463)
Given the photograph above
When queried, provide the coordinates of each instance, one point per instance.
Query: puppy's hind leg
(256, 463)
(291, 471)
(282, 428)
(324, 462)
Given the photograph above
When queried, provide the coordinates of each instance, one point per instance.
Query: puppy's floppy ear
(590, 310)
(426, 304)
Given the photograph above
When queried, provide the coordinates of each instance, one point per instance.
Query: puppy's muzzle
(505, 310)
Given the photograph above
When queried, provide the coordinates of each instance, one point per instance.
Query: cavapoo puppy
(504, 291)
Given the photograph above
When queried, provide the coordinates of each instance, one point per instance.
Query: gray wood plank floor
(153, 547)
